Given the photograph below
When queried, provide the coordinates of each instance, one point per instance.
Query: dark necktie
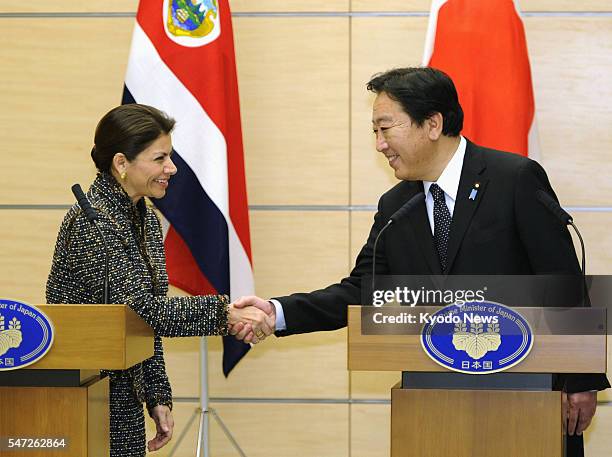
(442, 221)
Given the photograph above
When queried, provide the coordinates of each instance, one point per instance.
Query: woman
(132, 153)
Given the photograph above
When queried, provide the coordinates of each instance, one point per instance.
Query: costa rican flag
(481, 45)
(182, 62)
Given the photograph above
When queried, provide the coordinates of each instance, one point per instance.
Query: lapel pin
(474, 191)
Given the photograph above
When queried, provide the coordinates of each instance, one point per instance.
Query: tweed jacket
(138, 278)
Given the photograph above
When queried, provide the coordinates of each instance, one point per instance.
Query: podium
(436, 412)
(62, 395)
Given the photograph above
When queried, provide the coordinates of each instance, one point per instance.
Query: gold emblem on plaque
(475, 340)
(9, 337)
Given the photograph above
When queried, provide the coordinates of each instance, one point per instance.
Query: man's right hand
(244, 331)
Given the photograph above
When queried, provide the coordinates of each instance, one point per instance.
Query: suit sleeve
(550, 250)
(157, 386)
(326, 309)
(168, 316)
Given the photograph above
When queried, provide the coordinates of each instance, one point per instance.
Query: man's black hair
(422, 92)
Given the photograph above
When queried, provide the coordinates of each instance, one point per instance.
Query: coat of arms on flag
(192, 22)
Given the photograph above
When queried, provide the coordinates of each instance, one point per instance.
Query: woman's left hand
(164, 424)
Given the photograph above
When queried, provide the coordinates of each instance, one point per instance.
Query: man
(480, 217)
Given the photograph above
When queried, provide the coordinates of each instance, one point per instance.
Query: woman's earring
(123, 175)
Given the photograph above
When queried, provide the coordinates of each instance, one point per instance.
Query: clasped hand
(578, 410)
(251, 319)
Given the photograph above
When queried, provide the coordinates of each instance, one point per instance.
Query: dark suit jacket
(504, 231)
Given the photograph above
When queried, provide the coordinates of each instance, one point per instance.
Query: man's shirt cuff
(280, 315)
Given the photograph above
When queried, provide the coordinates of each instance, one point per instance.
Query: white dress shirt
(448, 182)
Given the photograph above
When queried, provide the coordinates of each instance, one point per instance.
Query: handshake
(251, 319)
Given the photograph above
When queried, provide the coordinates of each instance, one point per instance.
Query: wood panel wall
(308, 141)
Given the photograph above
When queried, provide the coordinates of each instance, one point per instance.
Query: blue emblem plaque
(477, 337)
(26, 334)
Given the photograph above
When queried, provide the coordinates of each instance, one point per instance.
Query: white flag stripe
(533, 140)
(151, 82)
(165, 225)
(517, 7)
(241, 272)
(430, 38)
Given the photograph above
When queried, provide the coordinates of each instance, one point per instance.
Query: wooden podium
(62, 395)
(438, 413)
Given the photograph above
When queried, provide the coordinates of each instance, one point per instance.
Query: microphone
(406, 208)
(81, 199)
(92, 217)
(555, 208)
(401, 213)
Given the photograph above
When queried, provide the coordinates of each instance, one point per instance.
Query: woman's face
(148, 174)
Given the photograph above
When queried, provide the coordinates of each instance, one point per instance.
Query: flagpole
(204, 429)
(203, 448)
(205, 411)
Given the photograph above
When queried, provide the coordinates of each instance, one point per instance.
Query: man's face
(406, 146)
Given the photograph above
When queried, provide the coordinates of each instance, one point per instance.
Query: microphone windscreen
(81, 199)
(407, 207)
(553, 206)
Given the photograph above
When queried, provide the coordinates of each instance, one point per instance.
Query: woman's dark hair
(128, 129)
(422, 92)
